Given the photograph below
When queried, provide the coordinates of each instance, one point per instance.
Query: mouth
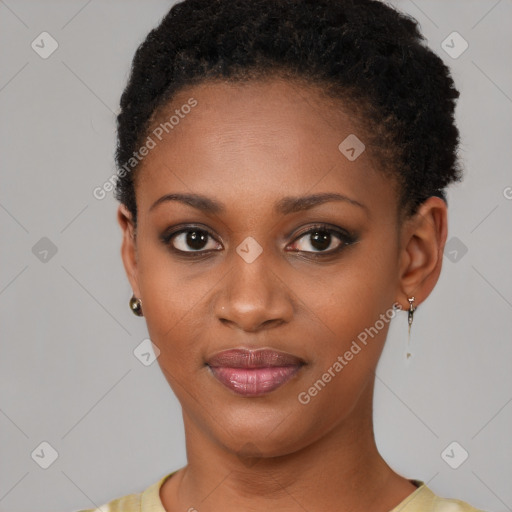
(253, 373)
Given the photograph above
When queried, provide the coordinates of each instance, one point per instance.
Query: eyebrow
(285, 205)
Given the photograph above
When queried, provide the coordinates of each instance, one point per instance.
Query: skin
(247, 146)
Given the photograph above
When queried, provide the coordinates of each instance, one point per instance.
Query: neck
(342, 470)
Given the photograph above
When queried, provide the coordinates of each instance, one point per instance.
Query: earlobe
(129, 247)
(424, 237)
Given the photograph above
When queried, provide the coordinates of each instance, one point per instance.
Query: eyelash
(345, 238)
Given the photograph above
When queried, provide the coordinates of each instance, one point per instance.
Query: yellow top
(421, 500)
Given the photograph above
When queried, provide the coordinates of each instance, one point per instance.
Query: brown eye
(318, 241)
(192, 240)
(322, 240)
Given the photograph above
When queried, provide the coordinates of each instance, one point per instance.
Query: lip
(253, 372)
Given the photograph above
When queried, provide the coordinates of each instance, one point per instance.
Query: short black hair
(364, 52)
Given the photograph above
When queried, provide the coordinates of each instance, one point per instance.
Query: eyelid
(180, 228)
(325, 227)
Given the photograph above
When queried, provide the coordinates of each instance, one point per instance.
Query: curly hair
(363, 52)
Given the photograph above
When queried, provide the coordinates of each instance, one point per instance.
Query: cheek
(354, 304)
(351, 295)
(373, 277)
(171, 300)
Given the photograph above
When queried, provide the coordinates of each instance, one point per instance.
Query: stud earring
(136, 306)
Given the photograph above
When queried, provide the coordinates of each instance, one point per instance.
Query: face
(283, 244)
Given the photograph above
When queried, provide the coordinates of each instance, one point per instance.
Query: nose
(253, 296)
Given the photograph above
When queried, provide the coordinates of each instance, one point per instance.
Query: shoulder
(128, 503)
(146, 500)
(452, 505)
(425, 500)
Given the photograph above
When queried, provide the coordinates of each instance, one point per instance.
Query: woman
(282, 167)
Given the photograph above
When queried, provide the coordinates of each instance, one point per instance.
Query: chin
(273, 433)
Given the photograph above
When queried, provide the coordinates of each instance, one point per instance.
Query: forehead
(260, 140)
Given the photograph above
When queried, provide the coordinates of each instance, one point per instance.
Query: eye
(319, 240)
(323, 240)
(190, 240)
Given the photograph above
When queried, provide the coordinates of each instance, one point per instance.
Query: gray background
(67, 369)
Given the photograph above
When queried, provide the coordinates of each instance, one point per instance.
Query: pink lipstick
(253, 372)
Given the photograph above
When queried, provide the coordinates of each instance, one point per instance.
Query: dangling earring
(136, 306)
(410, 317)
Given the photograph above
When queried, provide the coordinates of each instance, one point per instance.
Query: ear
(423, 239)
(129, 247)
